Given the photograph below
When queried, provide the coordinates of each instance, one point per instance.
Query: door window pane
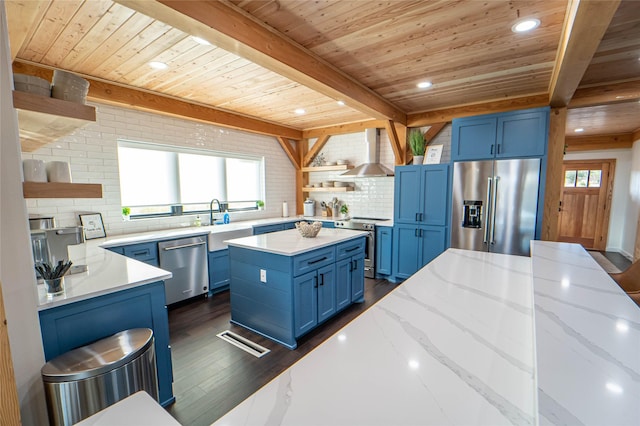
(594, 178)
(570, 178)
(582, 178)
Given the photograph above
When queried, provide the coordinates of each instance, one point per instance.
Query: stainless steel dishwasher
(186, 259)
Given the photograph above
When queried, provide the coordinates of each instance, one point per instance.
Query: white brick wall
(372, 197)
(92, 153)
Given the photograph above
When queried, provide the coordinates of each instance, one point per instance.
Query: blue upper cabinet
(473, 138)
(421, 194)
(522, 134)
(508, 135)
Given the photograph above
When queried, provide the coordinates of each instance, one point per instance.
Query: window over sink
(155, 177)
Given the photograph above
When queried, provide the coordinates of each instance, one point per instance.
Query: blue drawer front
(313, 260)
(147, 252)
(350, 248)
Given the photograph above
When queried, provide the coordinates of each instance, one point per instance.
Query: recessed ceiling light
(579, 129)
(158, 65)
(341, 103)
(299, 111)
(424, 84)
(200, 41)
(525, 25)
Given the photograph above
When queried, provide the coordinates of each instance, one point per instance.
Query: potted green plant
(417, 145)
(126, 211)
(260, 204)
(344, 210)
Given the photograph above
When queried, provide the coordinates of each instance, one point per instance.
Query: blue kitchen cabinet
(513, 134)
(416, 246)
(144, 252)
(314, 298)
(421, 194)
(265, 229)
(350, 273)
(283, 297)
(421, 217)
(79, 323)
(219, 276)
(384, 250)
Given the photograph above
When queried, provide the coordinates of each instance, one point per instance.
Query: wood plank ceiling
(372, 52)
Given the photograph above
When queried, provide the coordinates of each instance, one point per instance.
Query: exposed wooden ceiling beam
(315, 149)
(433, 131)
(596, 142)
(606, 94)
(234, 30)
(635, 136)
(396, 145)
(342, 129)
(584, 26)
(445, 115)
(291, 152)
(112, 94)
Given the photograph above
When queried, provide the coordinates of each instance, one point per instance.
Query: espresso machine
(51, 245)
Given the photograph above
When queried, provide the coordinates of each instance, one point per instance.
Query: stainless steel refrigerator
(494, 205)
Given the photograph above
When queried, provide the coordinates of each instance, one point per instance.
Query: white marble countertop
(106, 272)
(291, 243)
(453, 344)
(587, 339)
(135, 410)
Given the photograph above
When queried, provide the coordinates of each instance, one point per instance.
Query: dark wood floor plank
(212, 376)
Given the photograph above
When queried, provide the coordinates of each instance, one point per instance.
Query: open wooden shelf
(43, 119)
(328, 168)
(61, 190)
(329, 189)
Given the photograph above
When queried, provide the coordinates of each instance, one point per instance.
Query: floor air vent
(244, 344)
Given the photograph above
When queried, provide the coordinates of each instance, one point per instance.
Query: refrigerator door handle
(493, 209)
(486, 211)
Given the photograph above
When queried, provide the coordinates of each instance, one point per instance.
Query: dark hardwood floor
(212, 376)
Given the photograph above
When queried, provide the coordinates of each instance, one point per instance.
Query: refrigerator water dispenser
(472, 214)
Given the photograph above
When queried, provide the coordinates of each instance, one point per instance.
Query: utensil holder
(54, 286)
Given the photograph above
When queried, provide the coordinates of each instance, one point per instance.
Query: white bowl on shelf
(342, 162)
(330, 163)
(328, 184)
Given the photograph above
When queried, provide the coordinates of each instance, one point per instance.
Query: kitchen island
(459, 343)
(284, 285)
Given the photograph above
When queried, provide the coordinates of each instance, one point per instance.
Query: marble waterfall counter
(453, 344)
(587, 340)
(473, 339)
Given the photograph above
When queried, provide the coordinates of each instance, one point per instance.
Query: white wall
(633, 207)
(622, 222)
(16, 268)
(92, 153)
(372, 197)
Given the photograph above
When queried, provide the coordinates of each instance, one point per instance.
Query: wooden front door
(586, 202)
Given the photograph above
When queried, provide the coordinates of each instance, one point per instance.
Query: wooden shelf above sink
(43, 120)
(61, 190)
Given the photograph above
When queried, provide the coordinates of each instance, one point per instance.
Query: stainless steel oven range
(364, 224)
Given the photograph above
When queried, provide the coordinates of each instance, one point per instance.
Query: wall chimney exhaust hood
(372, 167)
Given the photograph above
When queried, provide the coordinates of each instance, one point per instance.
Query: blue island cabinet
(79, 323)
(283, 297)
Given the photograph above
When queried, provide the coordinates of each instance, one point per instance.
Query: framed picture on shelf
(93, 226)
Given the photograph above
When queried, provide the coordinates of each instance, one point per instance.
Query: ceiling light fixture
(424, 84)
(579, 129)
(341, 103)
(525, 25)
(299, 111)
(200, 41)
(158, 65)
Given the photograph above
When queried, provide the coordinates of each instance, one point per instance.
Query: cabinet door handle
(499, 148)
(416, 232)
(421, 217)
(352, 249)
(140, 253)
(321, 279)
(315, 282)
(355, 265)
(421, 234)
(317, 260)
(491, 149)
(417, 217)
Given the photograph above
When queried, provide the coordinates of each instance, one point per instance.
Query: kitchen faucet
(211, 210)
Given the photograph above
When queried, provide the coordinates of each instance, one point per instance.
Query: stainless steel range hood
(372, 167)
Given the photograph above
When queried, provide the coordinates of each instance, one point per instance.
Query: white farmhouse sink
(217, 238)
